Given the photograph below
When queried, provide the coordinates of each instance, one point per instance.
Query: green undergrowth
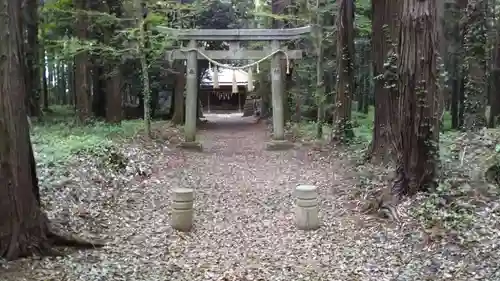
(57, 138)
(362, 126)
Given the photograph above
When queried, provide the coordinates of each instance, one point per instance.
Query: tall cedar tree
(415, 131)
(384, 25)
(345, 77)
(24, 228)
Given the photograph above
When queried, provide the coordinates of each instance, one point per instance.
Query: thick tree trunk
(345, 77)
(23, 228)
(384, 14)
(416, 130)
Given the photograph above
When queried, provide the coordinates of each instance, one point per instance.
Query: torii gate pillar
(277, 94)
(191, 95)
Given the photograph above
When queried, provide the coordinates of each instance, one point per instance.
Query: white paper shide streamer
(250, 79)
(235, 83)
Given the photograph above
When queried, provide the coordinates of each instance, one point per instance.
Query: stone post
(191, 93)
(182, 209)
(306, 207)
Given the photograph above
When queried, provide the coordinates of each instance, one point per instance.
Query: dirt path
(244, 222)
(244, 205)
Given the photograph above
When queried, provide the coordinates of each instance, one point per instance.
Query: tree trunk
(98, 79)
(114, 95)
(45, 91)
(81, 75)
(143, 59)
(24, 230)
(495, 93)
(114, 98)
(345, 77)
(475, 66)
(51, 67)
(178, 102)
(32, 63)
(456, 75)
(61, 82)
(384, 14)
(71, 83)
(457, 94)
(416, 129)
(44, 95)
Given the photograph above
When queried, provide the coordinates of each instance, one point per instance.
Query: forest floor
(243, 226)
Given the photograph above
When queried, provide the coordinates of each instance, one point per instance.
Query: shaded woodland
(395, 81)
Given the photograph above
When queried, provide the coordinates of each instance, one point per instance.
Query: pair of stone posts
(306, 208)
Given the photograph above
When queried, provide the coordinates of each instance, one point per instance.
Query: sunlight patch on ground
(222, 115)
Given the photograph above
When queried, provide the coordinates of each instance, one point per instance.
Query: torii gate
(234, 36)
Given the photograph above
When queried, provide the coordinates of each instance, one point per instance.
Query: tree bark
(45, 90)
(345, 77)
(30, 19)
(23, 229)
(416, 129)
(114, 98)
(458, 98)
(114, 112)
(384, 14)
(81, 74)
(475, 66)
(495, 94)
(71, 83)
(178, 102)
(62, 80)
(456, 74)
(98, 85)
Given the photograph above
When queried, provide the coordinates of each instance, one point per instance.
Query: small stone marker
(182, 209)
(306, 207)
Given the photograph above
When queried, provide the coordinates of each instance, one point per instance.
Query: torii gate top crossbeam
(237, 34)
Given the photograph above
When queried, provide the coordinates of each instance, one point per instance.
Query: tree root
(383, 206)
(44, 244)
(72, 241)
(48, 251)
(492, 175)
